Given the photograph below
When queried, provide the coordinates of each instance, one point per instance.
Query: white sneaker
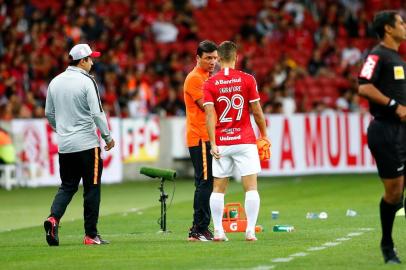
(219, 236)
(250, 236)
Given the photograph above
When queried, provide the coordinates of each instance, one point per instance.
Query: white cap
(80, 51)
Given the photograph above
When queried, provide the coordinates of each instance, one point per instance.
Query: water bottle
(351, 213)
(323, 215)
(233, 213)
(283, 228)
(311, 215)
(275, 214)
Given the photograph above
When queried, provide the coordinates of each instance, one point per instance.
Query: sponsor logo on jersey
(398, 73)
(230, 131)
(233, 80)
(369, 66)
(230, 138)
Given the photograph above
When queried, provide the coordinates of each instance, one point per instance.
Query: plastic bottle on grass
(283, 228)
(311, 215)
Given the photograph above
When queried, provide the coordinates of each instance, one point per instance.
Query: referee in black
(382, 81)
(74, 109)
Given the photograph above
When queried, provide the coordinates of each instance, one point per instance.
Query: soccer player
(228, 97)
(382, 81)
(198, 140)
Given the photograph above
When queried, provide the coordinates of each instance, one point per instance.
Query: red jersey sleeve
(208, 96)
(253, 94)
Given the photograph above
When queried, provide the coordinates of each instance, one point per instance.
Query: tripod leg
(162, 200)
(164, 216)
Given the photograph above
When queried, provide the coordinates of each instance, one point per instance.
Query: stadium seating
(38, 34)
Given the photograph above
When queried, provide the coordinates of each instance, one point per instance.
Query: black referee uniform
(385, 70)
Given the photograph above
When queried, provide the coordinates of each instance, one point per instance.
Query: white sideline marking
(282, 259)
(355, 234)
(304, 254)
(343, 239)
(315, 248)
(299, 254)
(263, 267)
(331, 244)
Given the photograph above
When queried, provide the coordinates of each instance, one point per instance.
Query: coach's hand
(401, 112)
(109, 145)
(214, 151)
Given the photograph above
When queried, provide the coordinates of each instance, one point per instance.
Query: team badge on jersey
(369, 66)
(398, 72)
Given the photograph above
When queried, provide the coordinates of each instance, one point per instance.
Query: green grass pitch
(129, 214)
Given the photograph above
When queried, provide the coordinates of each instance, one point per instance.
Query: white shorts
(243, 157)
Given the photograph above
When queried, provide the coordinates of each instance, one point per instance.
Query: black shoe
(191, 230)
(195, 235)
(51, 230)
(389, 255)
(207, 234)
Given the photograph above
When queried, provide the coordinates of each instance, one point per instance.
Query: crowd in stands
(304, 54)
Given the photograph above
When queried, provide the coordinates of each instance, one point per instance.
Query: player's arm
(369, 74)
(50, 110)
(372, 93)
(210, 122)
(253, 97)
(211, 119)
(211, 128)
(259, 118)
(98, 115)
(199, 103)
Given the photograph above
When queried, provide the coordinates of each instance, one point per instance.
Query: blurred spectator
(318, 107)
(137, 105)
(288, 104)
(198, 3)
(164, 30)
(277, 107)
(266, 21)
(352, 6)
(248, 27)
(350, 55)
(149, 46)
(295, 9)
(7, 150)
(344, 101)
(172, 105)
(315, 63)
(278, 75)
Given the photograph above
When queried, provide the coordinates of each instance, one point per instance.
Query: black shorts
(387, 142)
